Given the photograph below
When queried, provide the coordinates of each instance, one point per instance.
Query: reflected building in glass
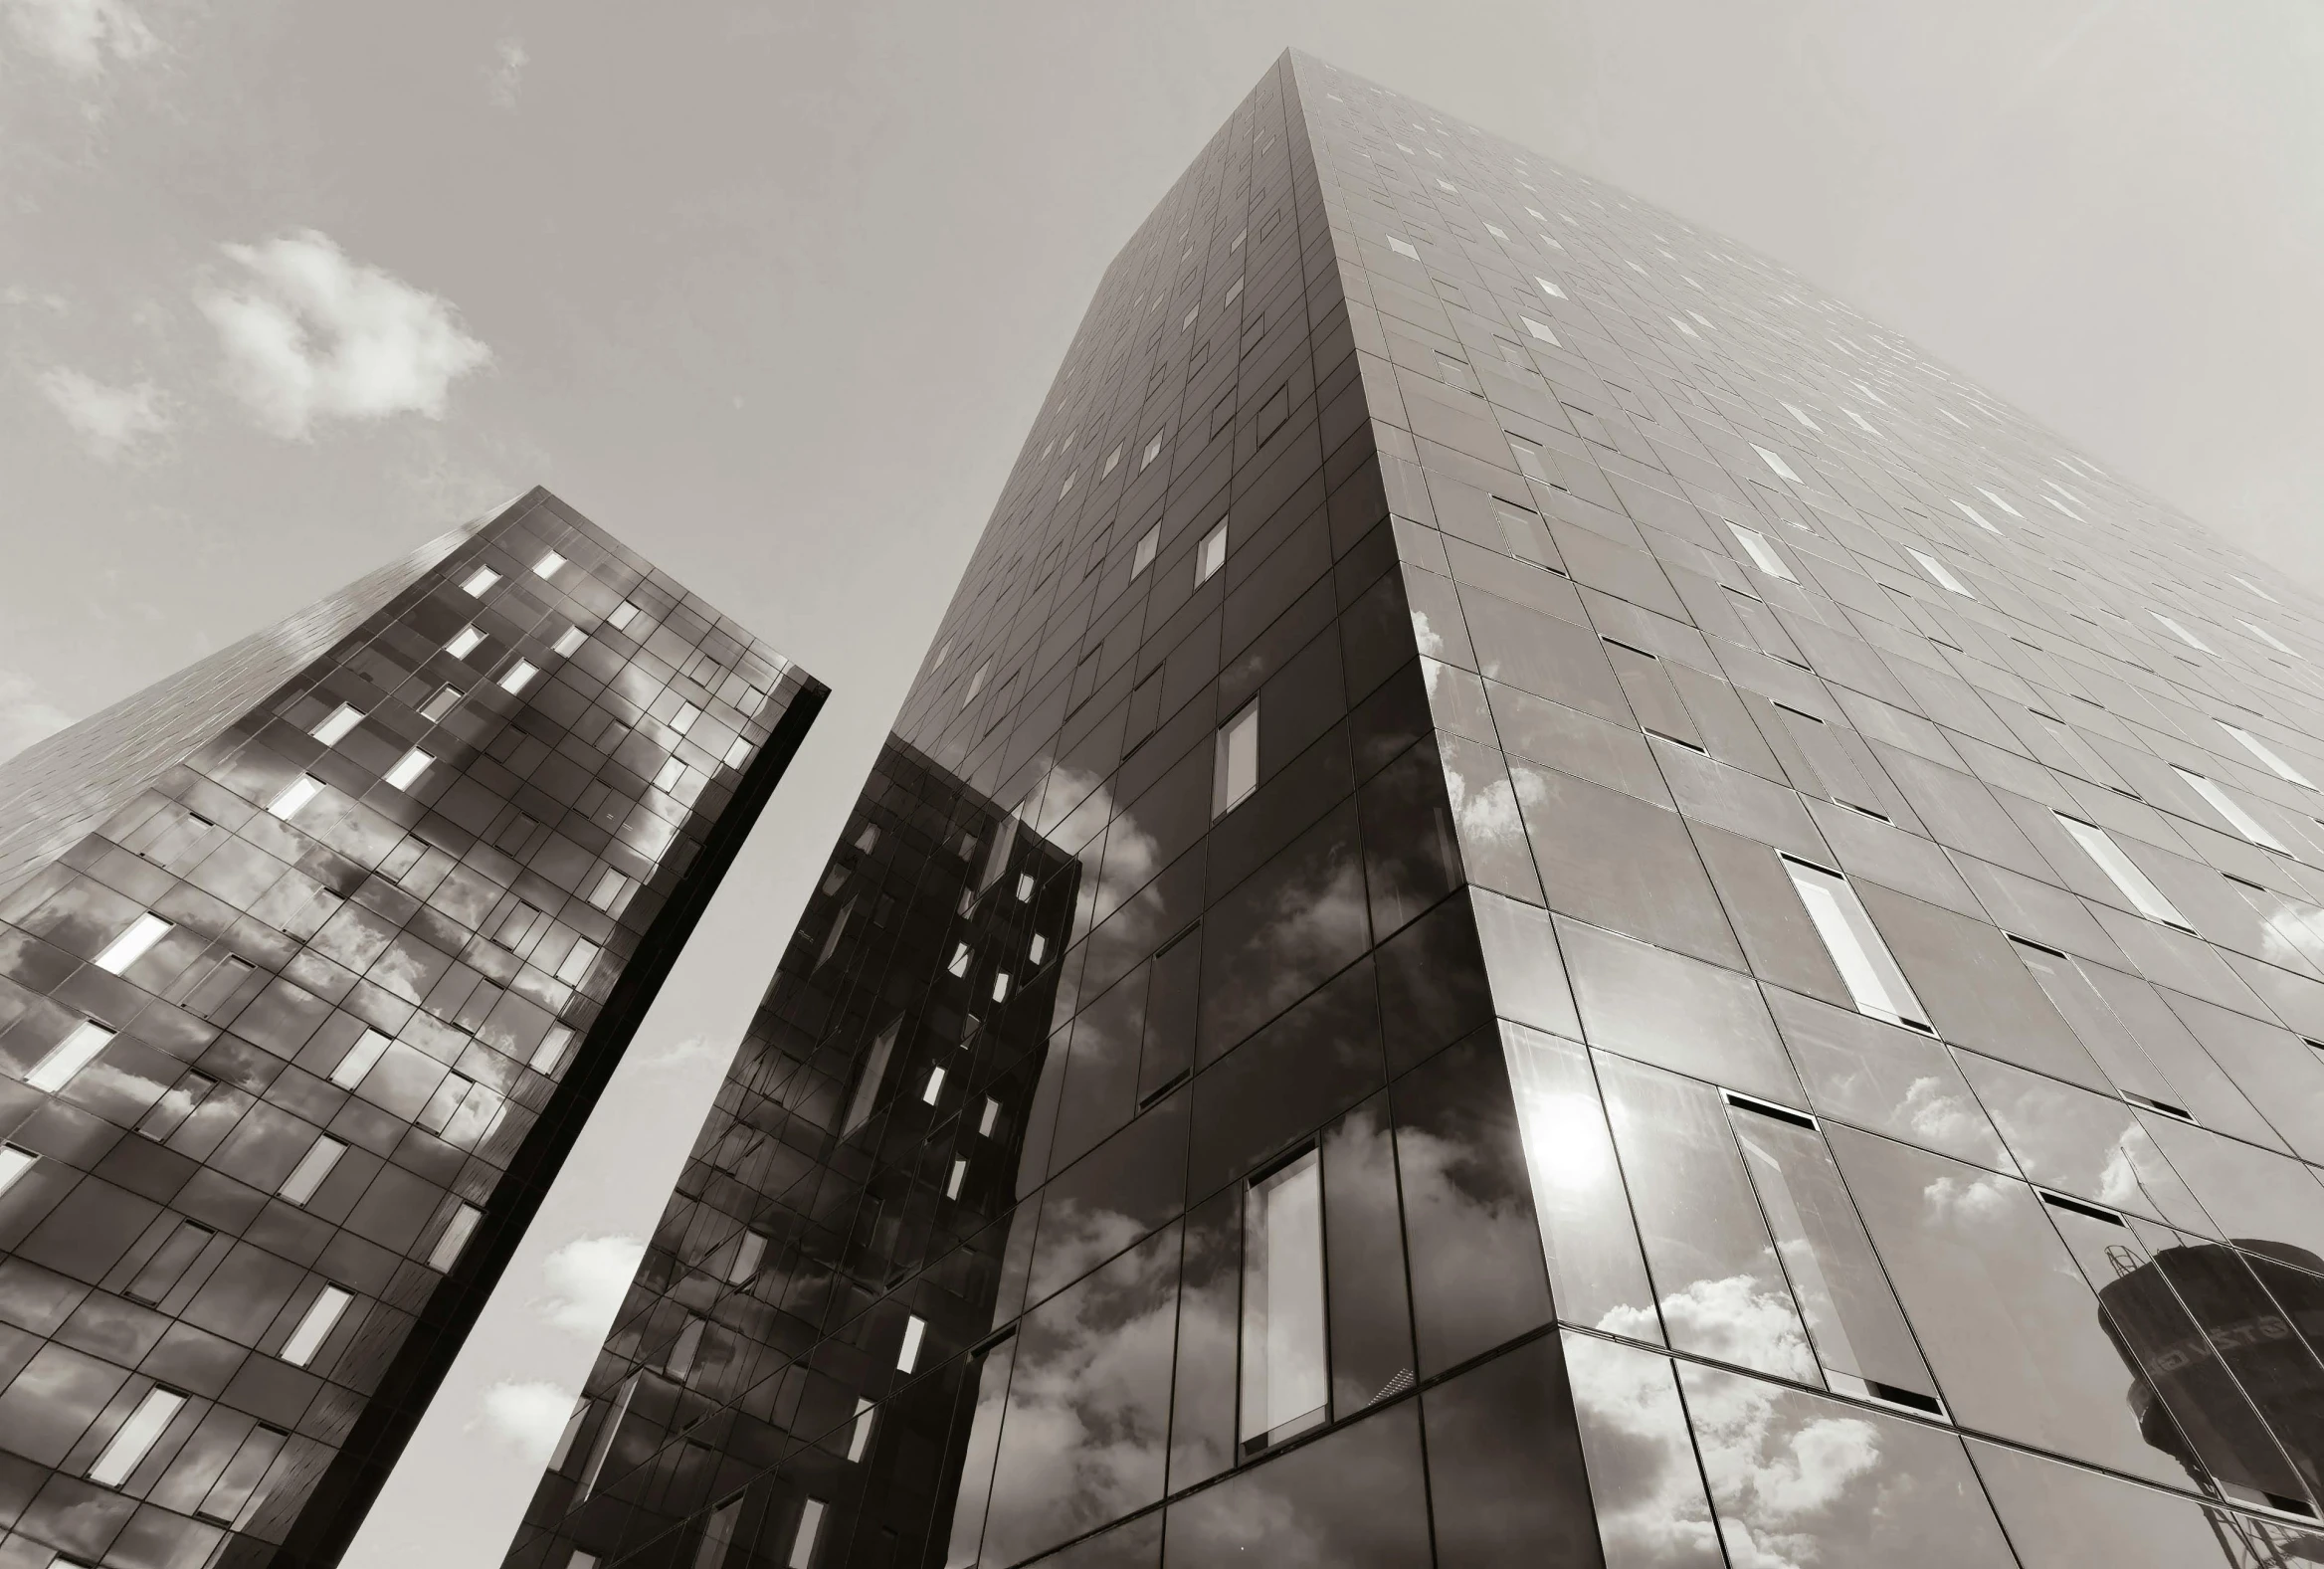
(1544, 901)
(313, 960)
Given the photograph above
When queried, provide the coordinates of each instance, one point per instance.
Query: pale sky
(773, 293)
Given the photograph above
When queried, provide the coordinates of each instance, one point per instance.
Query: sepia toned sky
(773, 293)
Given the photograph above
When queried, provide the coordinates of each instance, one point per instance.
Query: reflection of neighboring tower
(2207, 1381)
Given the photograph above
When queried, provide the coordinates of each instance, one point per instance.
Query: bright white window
(361, 1058)
(2269, 637)
(672, 772)
(134, 1439)
(2180, 632)
(990, 1115)
(133, 945)
(2225, 804)
(1112, 459)
(907, 1356)
(1762, 553)
(1035, 950)
(803, 1540)
(1550, 289)
(407, 768)
(1025, 890)
(960, 956)
(952, 1182)
(1211, 554)
(2123, 871)
(1801, 415)
(1974, 516)
(480, 581)
(1235, 292)
(463, 1226)
(464, 643)
(294, 795)
(859, 1436)
(1184, 322)
(935, 1086)
(438, 707)
(1865, 966)
(67, 1057)
(1403, 247)
(519, 675)
(1998, 502)
(1152, 451)
(2266, 754)
(322, 1318)
(1540, 329)
(1237, 768)
(1939, 573)
(1285, 1387)
(609, 888)
(687, 713)
(547, 565)
(623, 614)
(312, 1167)
(748, 1254)
(570, 640)
(15, 1162)
(1863, 423)
(1000, 985)
(337, 723)
(550, 1053)
(1148, 543)
(738, 754)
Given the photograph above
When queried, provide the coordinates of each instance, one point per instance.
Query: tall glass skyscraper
(1544, 901)
(313, 960)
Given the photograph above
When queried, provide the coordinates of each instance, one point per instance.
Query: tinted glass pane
(1351, 1500)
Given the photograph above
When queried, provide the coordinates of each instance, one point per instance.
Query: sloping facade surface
(312, 960)
(1652, 933)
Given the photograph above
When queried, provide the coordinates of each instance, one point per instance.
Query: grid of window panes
(283, 1013)
(1658, 973)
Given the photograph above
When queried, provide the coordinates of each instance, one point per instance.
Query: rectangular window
(907, 1355)
(2268, 638)
(1540, 330)
(1550, 289)
(136, 1438)
(1025, 889)
(1801, 415)
(1865, 965)
(177, 1102)
(1211, 555)
(867, 1082)
(67, 1057)
(133, 945)
(159, 1275)
(1285, 1387)
(719, 1534)
(618, 1409)
(935, 1086)
(232, 1492)
(2227, 806)
(519, 675)
(1238, 766)
(748, 1252)
(623, 614)
(672, 772)
(464, 643)
(1775, 461)
(14, 1163)
(1528, 459)
(2260, 749)
(570, 640)
(359, 1060)
(446, 1250)
(436, 707)
(480, 581)
(1762, 553)
(1112, 459)
(1974, 515)
(1455, 372)
(547, 565)
(991, 1116)
(1148, 543)
(2123, 871)
(294, 795)
(337, 723)
(683, 1350)
(687, 713)
(739, 752)
(860, 1438)
(952, 1183)
(609, 888)
(803, 1539)
(1152, 451)
(1403, 247)
(549, 1056)
(2180, 632)
(322, 1318)
(1036, 948)
(1939, 573)
(407, 768)
(312, 1167)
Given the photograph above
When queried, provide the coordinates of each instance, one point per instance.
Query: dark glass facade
(1544, 901)
(313, 958)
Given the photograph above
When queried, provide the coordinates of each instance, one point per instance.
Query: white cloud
(25, 716)
(507, 72)
(111, 421)
(79, 35)
(312, 334)
(586, 1279)
(527, 1416)
(687, 1053)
